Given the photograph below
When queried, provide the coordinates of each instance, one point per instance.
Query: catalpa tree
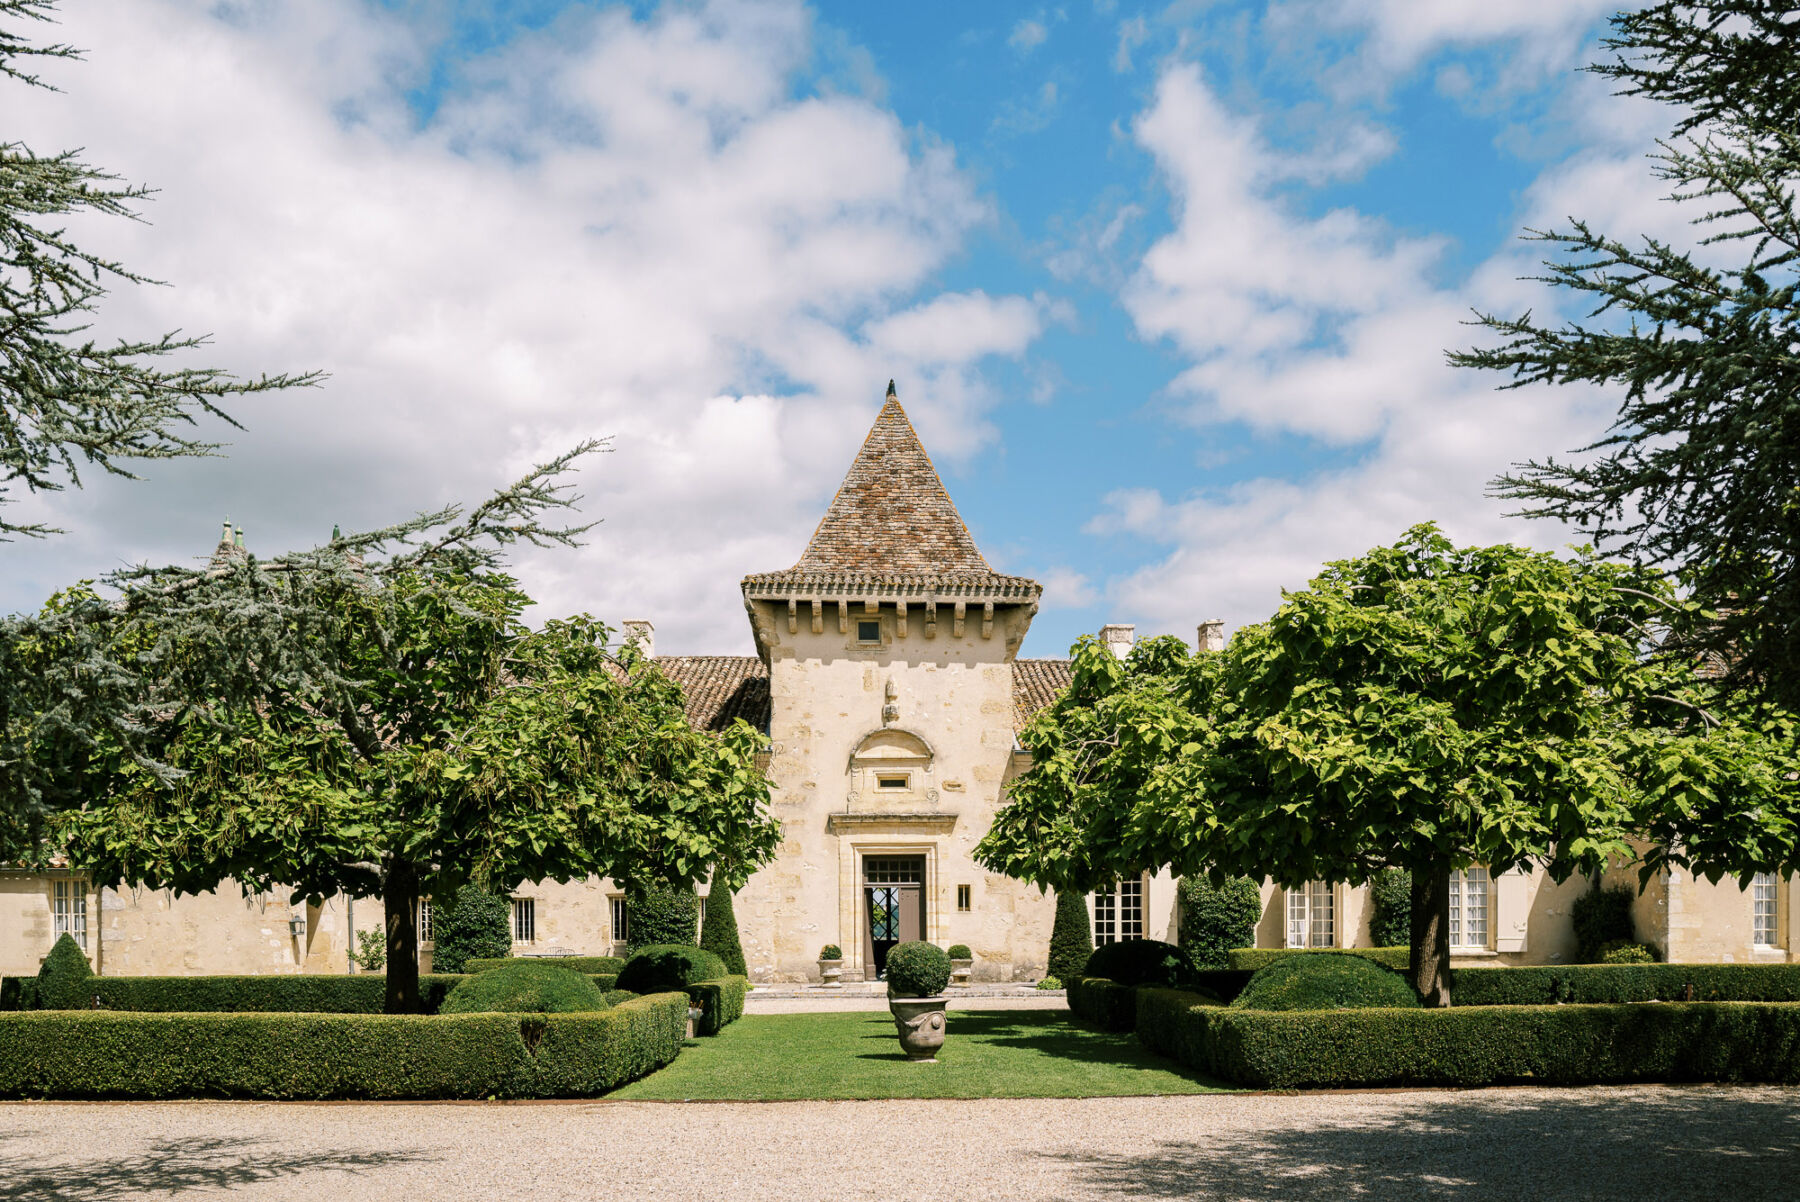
(1425, 707)
(456, 745)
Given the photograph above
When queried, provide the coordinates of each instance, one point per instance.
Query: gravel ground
(1641, 1142)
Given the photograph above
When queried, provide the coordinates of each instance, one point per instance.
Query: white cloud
(1547, 34)
(618, 226)
(1334, 329)
(1027, 36)
(1133, 32)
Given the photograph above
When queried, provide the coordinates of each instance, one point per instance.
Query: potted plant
(831, 966)
(916, 976)
(961, 961)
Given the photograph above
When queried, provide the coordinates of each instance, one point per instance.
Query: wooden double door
(893, 908)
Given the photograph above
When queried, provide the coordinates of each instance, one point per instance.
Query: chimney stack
(1212, 635)
(1118, 637)
(642, 632)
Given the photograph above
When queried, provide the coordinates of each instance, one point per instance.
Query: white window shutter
(1512, 909)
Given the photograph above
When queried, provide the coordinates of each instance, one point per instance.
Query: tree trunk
(1430, 961)
(400, 903)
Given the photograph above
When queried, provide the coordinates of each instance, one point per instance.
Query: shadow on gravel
(1694, 1142)
(172, 1166)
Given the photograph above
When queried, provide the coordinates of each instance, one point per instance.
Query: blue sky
(1166, 288)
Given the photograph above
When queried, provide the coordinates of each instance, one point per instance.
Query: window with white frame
(425, 921)
(1119, 912)
(1763, 931)
(1311, 915)
(1469, 894)
(619, 932)
(68, 911)
(524, 920)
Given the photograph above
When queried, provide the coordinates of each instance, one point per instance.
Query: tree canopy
(68, 401)
(454, 744)
(1425, 707)
(1699, 475)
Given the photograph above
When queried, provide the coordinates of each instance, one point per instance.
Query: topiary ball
(917, 969)
(1326, 981)
(524, 987)
(1140, 962)
(63, 977)
(960, 951)
(669, 968)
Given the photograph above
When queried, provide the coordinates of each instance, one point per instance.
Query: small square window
(890, 781)
(963, 899)
(868, 632)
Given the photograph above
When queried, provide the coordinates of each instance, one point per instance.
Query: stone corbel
(871, 608)
(931, 619)
(899, 619)
(818, 616)
(793, 615)
(956, 623)
(843, 617)
(987, 620)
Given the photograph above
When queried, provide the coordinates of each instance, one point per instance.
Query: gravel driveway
(1639, 1142)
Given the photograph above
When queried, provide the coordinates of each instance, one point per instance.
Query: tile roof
(719, 688)
(1036, 683)
(891, 516)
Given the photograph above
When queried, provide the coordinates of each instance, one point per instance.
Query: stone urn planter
(920, 1023)
(917, 974)
(831, 966)
(962, 961)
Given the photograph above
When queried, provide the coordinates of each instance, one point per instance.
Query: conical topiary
(719, 933)
(63, 978)
(1071, 941)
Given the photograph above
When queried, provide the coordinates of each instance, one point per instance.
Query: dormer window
(868, 632)
(891, 781)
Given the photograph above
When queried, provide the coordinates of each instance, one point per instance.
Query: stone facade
(887, 679)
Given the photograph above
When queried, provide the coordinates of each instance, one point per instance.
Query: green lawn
(989, 1054)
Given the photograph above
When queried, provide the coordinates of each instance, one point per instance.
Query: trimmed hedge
(1140, 962)
(721, 1003)
(1326, 983)
(1249, 959)
(524, 988)
(1478, 1045)
(1600, 983)
(1106, 1004)
(593, 966)
(288, 994)
(86, 1054)
(669, 967)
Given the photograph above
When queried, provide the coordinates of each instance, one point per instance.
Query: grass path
(989, 1054)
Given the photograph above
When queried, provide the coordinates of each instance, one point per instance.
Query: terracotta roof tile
(891, 516)
(1036, 683)
(720, 688)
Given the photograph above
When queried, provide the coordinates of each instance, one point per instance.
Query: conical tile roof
(891, 515)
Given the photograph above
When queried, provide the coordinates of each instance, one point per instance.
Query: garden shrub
(308, 993)
(960, 951)
(1562, 1045)
(1600, 917)
(663, 916)
(89, 1054)
(371, 951)
(1390, 908)
(1223, 983)
(1217, 918)
(719, 931)
(721, 1002)
(1140, 962)
(591, 965)
(612, 997)
(1618, 952)
(1106, 1004)
(1250, 959)
(474, 924)
(917, 969)
(18, 993)
(669, 969)
(1598, 983)
(1071, 939)
(1163, 1025)
(63, 978)
(524, 987)
(1049, 983)
(831, 951)
(1325, 982)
